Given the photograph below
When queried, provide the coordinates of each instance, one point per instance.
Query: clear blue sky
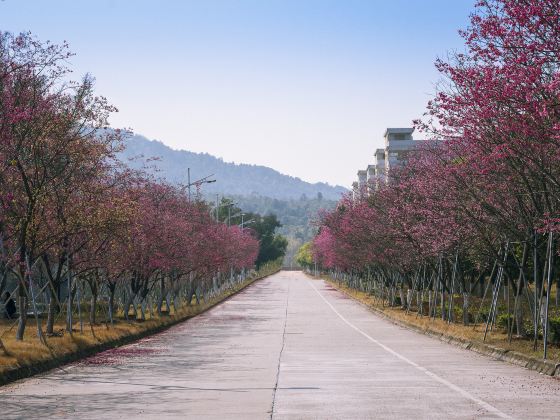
(306, 87)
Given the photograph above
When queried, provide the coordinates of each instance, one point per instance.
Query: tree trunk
(93, 307)
(190, 295)
(161, 295)
(143, 310)
(111, 303)
(128, 302)
(175, 303)
(214, 285)
(443, 306)
(519, 322)
(409, 293)
(22, 307)
(52, 311)
(430, 303)
(542, 312)
(151, 306)
(168, 303)
(69, 303)
(79, 302)
(465, 308)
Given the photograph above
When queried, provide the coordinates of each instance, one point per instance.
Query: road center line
(432, 375)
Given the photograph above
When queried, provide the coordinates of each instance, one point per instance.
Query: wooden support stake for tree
(496, 292)
(451, 314)
(40, 334)
(536, 301)
(520, 278)
(548, 286)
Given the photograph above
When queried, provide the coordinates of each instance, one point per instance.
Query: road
(286, 347)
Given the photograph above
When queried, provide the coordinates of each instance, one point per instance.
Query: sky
(306, 87)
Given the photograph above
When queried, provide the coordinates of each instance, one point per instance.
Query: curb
(33, 369)
(496, 353)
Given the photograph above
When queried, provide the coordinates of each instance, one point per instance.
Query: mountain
(253, 188)
(232, 179)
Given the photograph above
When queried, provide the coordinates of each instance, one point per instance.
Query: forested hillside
(297, 216)
(232, 178)
(256, 189)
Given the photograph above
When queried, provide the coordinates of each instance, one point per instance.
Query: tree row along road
(287, 347)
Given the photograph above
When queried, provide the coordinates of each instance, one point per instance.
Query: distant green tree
(228, 212)
(304, 256)
(297, 217)
(272, 245)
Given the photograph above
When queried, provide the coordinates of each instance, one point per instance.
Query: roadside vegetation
(272, 245)
(304, 256)
(85, 241)
(473, 332)
(467, 232)
(61, 344)
(298, 217)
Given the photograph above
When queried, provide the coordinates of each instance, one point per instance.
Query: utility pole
(189, 181)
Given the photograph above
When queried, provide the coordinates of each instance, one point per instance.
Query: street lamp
(243, 223)
(229, 206)
(198, 182)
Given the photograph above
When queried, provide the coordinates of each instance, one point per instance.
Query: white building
(379, 165)
(398, 145)
(359, 188)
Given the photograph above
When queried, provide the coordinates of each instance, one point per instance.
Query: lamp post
(200, 181)
(243, 223)
(229, 206)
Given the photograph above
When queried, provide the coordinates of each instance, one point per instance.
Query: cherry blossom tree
(71, 214)
(477, 203)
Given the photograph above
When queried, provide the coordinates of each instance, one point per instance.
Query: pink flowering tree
(480, 203)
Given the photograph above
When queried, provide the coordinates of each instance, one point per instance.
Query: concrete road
(292, 348)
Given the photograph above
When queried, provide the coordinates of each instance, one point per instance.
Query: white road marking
(432, 375)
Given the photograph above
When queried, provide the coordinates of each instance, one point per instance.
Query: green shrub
(484, 314)
(502, 321)
(530, 330)
(554, 334)
(459, 316)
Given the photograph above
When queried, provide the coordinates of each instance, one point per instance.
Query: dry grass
(31, 351)
(474, 333)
